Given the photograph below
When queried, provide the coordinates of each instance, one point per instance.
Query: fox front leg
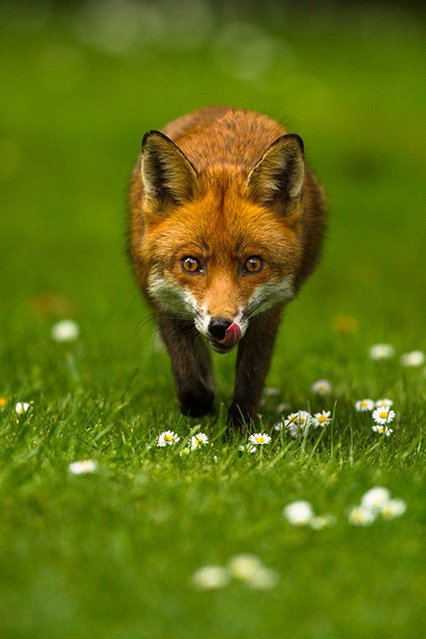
(191, 366)
(253, 361)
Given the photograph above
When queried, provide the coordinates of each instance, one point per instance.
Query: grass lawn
(112, 554)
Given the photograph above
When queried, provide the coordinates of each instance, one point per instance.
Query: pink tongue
(232, 336)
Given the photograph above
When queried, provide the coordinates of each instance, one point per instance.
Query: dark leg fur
(253, 360)
(191, 366)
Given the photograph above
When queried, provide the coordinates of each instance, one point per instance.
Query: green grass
(112, 554)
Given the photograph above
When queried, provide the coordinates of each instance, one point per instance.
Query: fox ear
(168, 176)
(278, 175)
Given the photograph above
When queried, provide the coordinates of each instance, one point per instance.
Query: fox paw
(240, 417)
(197, 404)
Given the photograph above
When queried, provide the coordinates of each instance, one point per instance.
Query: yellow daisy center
(168, 438)
(383, 414)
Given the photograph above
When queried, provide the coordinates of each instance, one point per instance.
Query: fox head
(223, 243)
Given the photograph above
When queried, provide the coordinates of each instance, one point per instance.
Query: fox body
(226, 222)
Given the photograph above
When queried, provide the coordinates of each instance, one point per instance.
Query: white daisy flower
(84, 467)
(361, 516)
(22, 407)
(322, 419)
(383, 430)
(384, 403)
(393, 508)
(381, 351)
(376, 498)
(200, 439)
(248, 448)
(65, 331)
(364, 405)
(383, 415)
(414, 358)
(299, 513)
(167, 438)
(297, 423)
(259, 439)
(211, 577)
(244, 566)
(322, 387)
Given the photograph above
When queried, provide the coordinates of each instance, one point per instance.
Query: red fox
(226, 222)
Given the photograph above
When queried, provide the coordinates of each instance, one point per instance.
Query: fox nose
(218, 327)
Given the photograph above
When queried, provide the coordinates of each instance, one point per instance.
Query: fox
(226, 223)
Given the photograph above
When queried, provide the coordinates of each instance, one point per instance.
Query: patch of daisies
(170, 438)
(245, 568)
(298, 424)
(375, 503)
(382, 414)
(250, 570)
(412, 359)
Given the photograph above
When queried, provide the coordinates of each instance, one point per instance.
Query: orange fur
(221, 185)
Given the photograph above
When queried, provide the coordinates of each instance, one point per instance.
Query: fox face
(221, 245)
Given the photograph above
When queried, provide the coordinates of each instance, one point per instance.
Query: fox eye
(253, 264)
(190, 264)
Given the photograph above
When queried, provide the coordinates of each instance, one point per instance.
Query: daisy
(167, 438)
(83, 467)
(299, 513)
(244, 566)
(22, 407)
(65, 331)
(383, 430)
(383, 415)
(361, 516)
(381, 351)
(363, 405)
(248, 448)
(322, 419)
(200, 439)
(393, 508)
(211, 577)
(296, 423)
(384, 403)
(322, 387)
(414, 358)
(376, 498)
(185, 451)
(259, 439)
